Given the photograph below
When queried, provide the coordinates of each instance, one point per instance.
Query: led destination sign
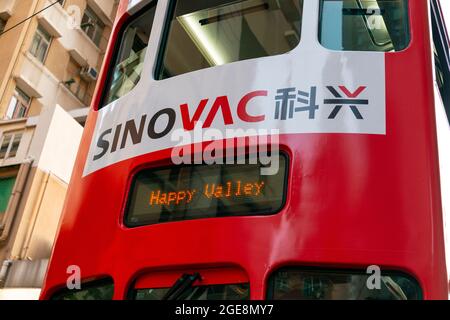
(204, 191)
(229, 190)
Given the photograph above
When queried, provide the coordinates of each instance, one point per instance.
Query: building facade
(50, 55)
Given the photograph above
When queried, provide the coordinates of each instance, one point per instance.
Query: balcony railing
(38, 82)
(104, 9)
(58, 23)
(54, 19)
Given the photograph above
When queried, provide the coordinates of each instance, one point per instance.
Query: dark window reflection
(213, 292)
(294, 284)
(364, 25)
(96, 290)
(129, 62)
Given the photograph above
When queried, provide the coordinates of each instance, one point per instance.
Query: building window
(10, 145)
(6, 188)
(75, 83)
(81, 90)
(41, 44)
(19, 105)
(209, 33)
(364, 25)
(2, 25)
(92, 26)
(129, 61)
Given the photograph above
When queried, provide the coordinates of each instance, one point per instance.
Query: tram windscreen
(204, 191)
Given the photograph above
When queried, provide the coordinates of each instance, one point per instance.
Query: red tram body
(358, 193)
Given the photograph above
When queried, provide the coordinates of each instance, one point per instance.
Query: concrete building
(48, 71)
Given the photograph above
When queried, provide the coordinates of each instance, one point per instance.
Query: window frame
(45, 38)
(165, 38)
(5, 141)
(98, 24)
(12, 138)
(410, 38)
(116, 51)
(73, 72)
(22, 99)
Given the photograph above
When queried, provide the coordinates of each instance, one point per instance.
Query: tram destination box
(204, 191)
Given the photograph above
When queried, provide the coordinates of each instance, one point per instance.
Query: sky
(445, 4)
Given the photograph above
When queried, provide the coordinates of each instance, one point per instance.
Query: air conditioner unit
(89, 74)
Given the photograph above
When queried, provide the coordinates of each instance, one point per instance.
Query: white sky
(444, 134)
(445, 4)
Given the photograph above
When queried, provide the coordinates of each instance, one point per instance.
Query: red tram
(262, 149)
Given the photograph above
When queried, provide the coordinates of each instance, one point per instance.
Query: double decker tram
(263, 149)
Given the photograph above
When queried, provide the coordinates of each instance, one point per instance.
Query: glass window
(92, 26)
(5, 146)
(208, 33)
(212, 292)
(76, 82)
(97, 290)
(298, 284)
(129, 61)
(364, 25)
(15, 145)
(204, 191)
(6, 187)
(10, 145)
(19, 105)
(40, 44)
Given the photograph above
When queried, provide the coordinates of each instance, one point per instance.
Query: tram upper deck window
(303, 284)
(207, 33)
(95, 290)
(128, 62)
(210, 292)
(364, 25)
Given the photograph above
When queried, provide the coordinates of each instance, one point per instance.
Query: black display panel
(204, 191)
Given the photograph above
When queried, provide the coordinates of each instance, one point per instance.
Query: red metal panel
(211, 276)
